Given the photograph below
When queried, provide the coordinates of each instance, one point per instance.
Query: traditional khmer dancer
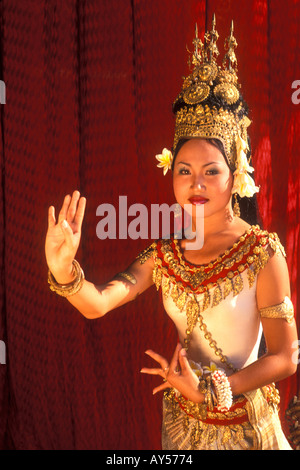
(219, 392)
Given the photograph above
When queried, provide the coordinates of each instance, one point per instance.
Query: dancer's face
(200, 170)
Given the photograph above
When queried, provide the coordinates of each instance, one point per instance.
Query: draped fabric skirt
(252, 423)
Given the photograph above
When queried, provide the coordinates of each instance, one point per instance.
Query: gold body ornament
(218, 279)
(284, 310)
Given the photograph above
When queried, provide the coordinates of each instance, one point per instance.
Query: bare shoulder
(273, 281)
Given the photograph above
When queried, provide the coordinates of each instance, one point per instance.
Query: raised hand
(63, 236)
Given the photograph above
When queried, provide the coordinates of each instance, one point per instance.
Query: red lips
(197, 200)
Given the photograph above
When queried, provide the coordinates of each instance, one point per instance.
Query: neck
(214, 224)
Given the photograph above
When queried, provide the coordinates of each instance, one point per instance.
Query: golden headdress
(210, 106)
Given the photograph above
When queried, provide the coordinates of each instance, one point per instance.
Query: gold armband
(65, 290)
(128, 276)
(283, 310)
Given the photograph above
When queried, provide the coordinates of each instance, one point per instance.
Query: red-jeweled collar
(231, 263)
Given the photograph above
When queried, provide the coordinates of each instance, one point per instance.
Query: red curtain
(89, 88)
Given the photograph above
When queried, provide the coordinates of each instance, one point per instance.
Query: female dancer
(218, 394)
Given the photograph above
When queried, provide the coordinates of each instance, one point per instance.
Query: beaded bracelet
(65, 290)
(223, 390)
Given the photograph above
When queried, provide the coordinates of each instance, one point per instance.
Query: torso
(221, 289)
(228, 316)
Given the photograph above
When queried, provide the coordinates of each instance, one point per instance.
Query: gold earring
(236, 207)
(178, 210)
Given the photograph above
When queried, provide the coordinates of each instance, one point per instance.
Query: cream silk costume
(215, 312)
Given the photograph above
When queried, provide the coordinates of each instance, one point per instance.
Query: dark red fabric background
(89, 88)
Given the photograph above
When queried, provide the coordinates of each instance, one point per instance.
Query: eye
(184, 171)
(212, 172)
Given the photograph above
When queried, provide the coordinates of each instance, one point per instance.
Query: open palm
(63, 236)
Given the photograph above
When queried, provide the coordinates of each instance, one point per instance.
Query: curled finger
(161, 387)
(158, 358)
(149, 371)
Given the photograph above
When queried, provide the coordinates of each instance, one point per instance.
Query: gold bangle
(65, 290)
(209, 394)
(205, 387)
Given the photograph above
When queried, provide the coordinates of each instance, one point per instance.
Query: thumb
(51, 217)
(183, 360)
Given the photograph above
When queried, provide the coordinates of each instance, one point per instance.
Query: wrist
(199, 398)
(198, 394)
(64, 276)
(65, 289)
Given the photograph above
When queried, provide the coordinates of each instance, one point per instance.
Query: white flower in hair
(243, 184)
(165, 160)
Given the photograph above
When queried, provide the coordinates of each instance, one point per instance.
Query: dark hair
(248, 206)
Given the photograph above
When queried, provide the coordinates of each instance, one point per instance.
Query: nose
(197, 183)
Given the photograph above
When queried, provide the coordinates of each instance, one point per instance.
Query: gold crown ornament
(210, 106)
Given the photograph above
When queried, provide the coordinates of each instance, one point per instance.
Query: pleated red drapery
(89, 88)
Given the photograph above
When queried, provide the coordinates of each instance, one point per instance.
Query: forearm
(95, 301)
(266, 370)
(88, 301)
(276, 364)
(70, 283)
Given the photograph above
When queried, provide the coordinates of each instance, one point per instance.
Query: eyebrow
(206, 164)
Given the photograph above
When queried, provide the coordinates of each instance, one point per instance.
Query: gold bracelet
(206, 387)
(65, 290)
(209, 396)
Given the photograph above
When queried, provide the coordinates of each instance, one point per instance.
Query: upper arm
(273, 285)
(120, 290)
(273, 282)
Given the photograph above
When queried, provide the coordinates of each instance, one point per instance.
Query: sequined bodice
(234, 325)
(214, 305)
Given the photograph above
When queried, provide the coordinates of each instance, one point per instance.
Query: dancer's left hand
(177, 374)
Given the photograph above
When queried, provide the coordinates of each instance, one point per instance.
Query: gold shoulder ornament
(147, 253)
(275, 244)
